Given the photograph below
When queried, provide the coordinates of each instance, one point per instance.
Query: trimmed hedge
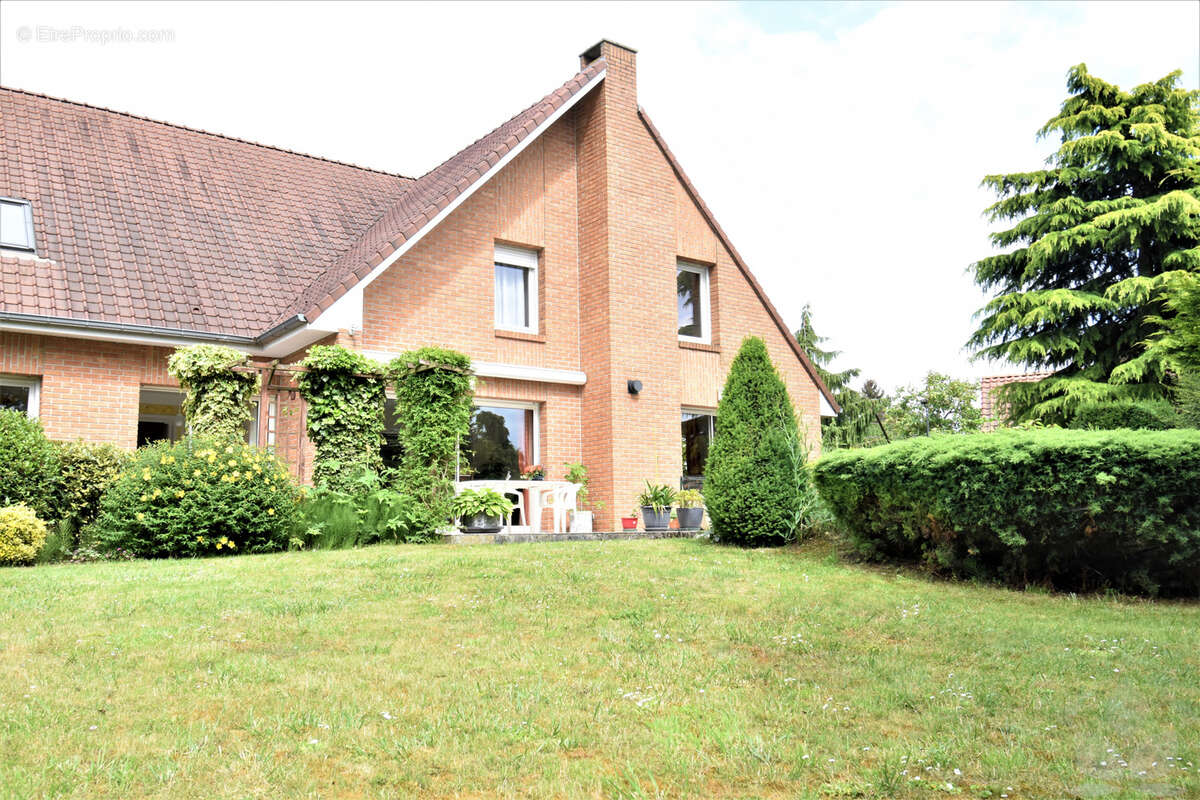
(1134, 416)
(22, 535)
(87, 469)
(1074, 509)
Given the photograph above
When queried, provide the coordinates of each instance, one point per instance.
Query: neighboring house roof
(146, 223)
(989, 404)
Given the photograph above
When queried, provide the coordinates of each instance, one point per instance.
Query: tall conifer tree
(1095, 240)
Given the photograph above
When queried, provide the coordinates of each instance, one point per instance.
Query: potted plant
(534, 473)
(656, 503)
(629, 521)
(691, 509)
(582, 520)
(481, 510)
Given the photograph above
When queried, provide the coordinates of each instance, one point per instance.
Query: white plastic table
(537, 490)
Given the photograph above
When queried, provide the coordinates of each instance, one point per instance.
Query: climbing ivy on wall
(434, 392)
(345, 392)
(217, 396)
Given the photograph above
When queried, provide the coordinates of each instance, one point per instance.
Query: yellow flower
(146, 474)
(271, 512)
(218, 545)
(232, 546)
(229, 449)
(144, 497)
(158, 492)
(224, 540)
(233, 462)
(196, 473)
(179, 492)
(200, 539)
(235, 475)
(212, 457)
(140, 516)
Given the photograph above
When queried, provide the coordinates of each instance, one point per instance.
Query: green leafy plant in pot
(691, 509)
(582, 519)
(656, 503)
(481, 510)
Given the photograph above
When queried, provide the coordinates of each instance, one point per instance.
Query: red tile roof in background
(992, 410)
(147, 223)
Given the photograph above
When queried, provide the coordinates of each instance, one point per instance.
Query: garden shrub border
(1078, 510)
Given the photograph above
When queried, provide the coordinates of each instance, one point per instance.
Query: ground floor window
(697, 428)
(503, 440)
(160, 417)
(20, 394)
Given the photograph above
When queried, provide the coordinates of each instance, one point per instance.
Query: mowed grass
(627, 669)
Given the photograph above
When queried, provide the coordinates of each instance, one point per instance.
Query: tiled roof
(993, 410)
(432, 192)
(146, 223)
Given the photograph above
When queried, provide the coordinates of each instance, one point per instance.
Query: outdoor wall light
(634, 386)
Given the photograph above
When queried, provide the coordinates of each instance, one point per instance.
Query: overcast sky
(841, 146)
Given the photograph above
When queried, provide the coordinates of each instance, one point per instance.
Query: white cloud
(844, 165)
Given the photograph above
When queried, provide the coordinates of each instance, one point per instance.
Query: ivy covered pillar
(345, 392)
(434, 393)
(217, 395)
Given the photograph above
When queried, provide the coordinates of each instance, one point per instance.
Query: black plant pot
(690, 519)
(481, 523)
(656, 520)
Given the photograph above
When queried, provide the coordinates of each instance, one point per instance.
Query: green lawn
(622, 669)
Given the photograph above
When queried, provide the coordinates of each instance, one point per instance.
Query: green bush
(369, 514)
(434, 389)
(86, 470)
(28, 464)
(1074, 509)
(198, 497)
(1113, 416)
(755, 478)
(22, 535)
(345, 392)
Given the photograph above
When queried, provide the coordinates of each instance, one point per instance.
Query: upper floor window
(16, 224)
(691, 290)
(516, 289)
(20, 394)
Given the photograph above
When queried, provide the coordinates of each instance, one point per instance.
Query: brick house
(566, 252)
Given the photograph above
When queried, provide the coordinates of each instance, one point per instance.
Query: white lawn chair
(560, 501)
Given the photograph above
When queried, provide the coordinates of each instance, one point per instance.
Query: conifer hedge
(1073, 509)
(755, 478)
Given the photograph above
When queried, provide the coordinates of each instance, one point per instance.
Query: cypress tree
(752, 482)
(1097, 238)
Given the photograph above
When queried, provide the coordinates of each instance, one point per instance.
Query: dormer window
(16, 224)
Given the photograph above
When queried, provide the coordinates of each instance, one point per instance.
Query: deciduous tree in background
(1095, 240)
(941, 405)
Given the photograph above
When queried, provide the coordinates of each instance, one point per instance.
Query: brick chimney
(621, 77)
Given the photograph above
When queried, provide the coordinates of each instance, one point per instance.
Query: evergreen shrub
(755, 478)
(1078, 510)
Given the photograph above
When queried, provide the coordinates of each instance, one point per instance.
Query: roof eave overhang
(288, 336)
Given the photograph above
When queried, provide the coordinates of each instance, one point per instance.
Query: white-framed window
(16, 224)
(21, 393)
(504, 439)
(698, 426)
(516, 271)
(692, 299)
